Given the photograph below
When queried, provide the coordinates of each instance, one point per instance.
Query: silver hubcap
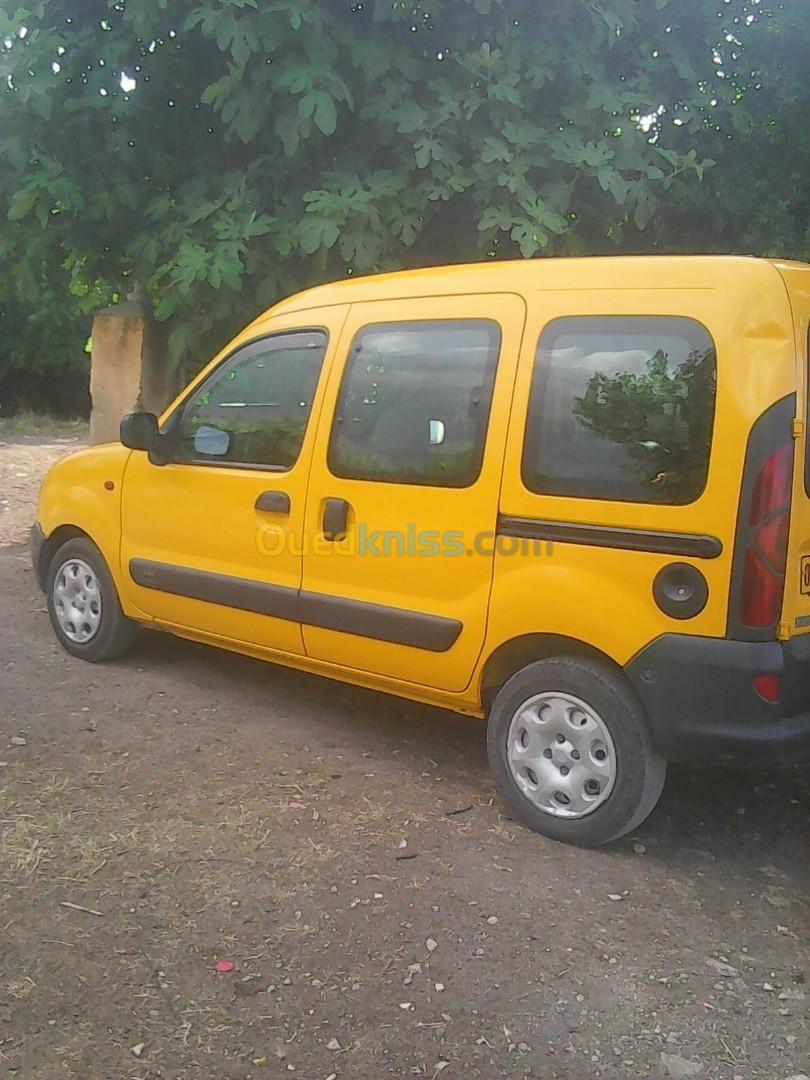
(561, 755)
(77, 601)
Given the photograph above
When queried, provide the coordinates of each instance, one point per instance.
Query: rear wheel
(83, 604)
(570, 752)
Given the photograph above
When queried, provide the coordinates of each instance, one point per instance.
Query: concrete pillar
(127, 369)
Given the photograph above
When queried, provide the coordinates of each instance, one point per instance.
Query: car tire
(571, 753)
(83, 604)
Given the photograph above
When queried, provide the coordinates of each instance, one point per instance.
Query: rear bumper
(37, 541)
(702, 704)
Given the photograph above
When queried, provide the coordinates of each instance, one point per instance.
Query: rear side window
(414, 403)
(621, 408)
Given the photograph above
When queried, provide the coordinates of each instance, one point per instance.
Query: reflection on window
(414, 403)
(254, 410)
(621, 408)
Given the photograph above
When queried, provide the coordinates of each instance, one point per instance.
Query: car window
(414, 403)
(621, 408)
(254, 409)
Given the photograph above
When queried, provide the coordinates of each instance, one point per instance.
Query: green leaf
(247, 121)
(410, 117)
(611, 180)
(307, 105)
(529, 237)
(425, 151)
(317, 232)
(231, 268)
(215, 92)
(225, 32)
(21, 203)
(325, 115)
(495, 149)
(495, 218)
(645, 207)
(288, 130)
(166, 306)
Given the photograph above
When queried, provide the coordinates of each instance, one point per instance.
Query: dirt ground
(23, 461)
(344, 850)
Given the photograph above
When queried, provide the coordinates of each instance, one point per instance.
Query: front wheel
(83, 604)
(571, 753)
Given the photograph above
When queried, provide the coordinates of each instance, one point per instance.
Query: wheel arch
(510, 656)
(51, 545)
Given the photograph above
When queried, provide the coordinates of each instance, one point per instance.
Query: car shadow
(752, 815)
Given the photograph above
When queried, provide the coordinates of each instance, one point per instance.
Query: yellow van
(567, 495)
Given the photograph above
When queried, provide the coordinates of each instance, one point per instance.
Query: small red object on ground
(222, 967)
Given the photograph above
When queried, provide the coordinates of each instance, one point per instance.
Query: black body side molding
(565, 532)
(433, 633)
(233, 592)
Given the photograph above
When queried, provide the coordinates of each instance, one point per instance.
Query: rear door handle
(335, 519)
(274, 502)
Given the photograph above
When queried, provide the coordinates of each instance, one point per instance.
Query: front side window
(254, 409)
(621, 408)
(414, 403)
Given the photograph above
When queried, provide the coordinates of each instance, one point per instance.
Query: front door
(403, 495)
(212, 540)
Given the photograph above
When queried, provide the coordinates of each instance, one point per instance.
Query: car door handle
(274, 502)
(335, 519)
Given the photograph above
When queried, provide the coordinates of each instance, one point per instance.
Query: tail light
(766, 557)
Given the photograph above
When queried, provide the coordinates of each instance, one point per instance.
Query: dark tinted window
(621, 408)
(254, 409)
(414, 403)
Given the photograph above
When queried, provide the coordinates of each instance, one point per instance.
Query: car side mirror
(139, 431)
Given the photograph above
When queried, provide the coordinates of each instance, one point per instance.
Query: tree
(44, 365)
(756, 200)
(229, 152)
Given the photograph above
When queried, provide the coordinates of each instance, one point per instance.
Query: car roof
(543, 274)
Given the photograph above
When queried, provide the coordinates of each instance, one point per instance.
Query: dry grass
(44, 427)
(48, 829)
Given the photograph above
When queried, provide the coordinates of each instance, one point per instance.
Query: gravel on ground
(24, 460)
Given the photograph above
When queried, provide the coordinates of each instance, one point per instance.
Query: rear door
(403, 491)
(609, 462)
(796, 605)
